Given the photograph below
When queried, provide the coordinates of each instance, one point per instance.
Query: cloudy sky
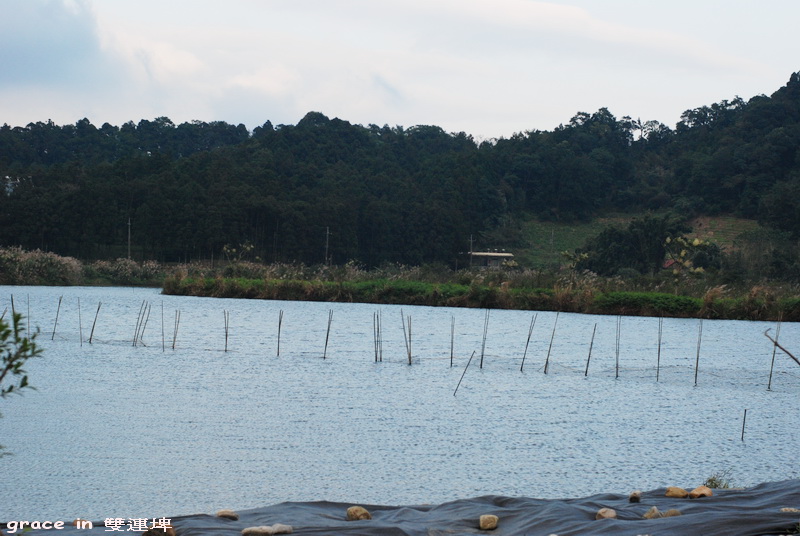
(486, 67)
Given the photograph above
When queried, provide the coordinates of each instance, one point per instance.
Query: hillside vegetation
(327, 191)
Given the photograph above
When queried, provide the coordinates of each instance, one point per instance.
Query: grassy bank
(433, 285)
(21, 267)
(755, 305)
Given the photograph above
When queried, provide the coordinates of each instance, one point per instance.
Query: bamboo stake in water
(175, 331)
(328, 334)
(56, 322)
(744, 420)
(658, 358)
(163, 345)
(80, 323)
(144, 323)
(2, 316)
(375, 334)
(406, 338)
(452, 336)
(485, 330)
(226, 316)
(29, 314)
(774, 351)
(619, 330)
(139, 318)
(376, 328)
(591, 344)
(14, 317)
(530, 331)
(697, 360)
(91, 335)
(785, 351)
(463, 373)
(280, 321)
(553, 336)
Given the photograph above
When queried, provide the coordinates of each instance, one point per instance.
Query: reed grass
(715, 302)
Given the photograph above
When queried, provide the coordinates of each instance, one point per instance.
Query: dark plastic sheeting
(752, 511)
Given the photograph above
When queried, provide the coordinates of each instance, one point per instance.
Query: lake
(122, 430)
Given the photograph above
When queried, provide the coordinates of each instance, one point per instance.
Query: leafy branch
(15, 350)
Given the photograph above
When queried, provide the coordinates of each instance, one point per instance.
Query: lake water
(117, 430)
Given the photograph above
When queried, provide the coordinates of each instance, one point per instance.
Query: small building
(489, 259)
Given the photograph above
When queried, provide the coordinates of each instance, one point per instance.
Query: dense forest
(328, 190)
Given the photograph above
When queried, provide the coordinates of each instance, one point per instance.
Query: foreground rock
(358, 513)
(700, 491)
(676, 493)
(488, 522)
(655, 513)
(228, 514)
(606, 513)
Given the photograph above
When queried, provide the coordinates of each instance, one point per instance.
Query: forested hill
(383, 194)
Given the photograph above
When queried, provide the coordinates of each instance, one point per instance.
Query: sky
(490, 68)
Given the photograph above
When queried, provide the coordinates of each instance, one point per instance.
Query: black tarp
(730, 512)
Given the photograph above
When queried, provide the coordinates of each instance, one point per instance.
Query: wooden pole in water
(29, 314)
(774, 351)
(2, 316)
(590, 351)
(378, 337)
(409, 339)
(785, 351)
(406, 338)
(328, 334)
(744, 420)
(14, 317)
(80, 323)
(697, 359)
(280, 321)
(56, 322)
(138, 322)
(527, 342)
(658, 358)
(619, 330)
(485, 330)
(177, 323)
(375, 334)
(163, 344)
(547, 361)
(226, 319)
(91, 335)
(463, 373)
(452, 336)
(144, 323)
(376, 329)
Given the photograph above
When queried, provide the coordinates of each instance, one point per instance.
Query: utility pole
(470, 251)
(327, 241)
(129, 238)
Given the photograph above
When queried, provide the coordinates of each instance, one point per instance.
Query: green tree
(641, 246)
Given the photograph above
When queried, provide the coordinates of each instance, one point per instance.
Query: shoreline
(401, 292)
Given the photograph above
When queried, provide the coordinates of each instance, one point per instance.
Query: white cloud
(47, 42)
(488, 67)
(273, 78)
